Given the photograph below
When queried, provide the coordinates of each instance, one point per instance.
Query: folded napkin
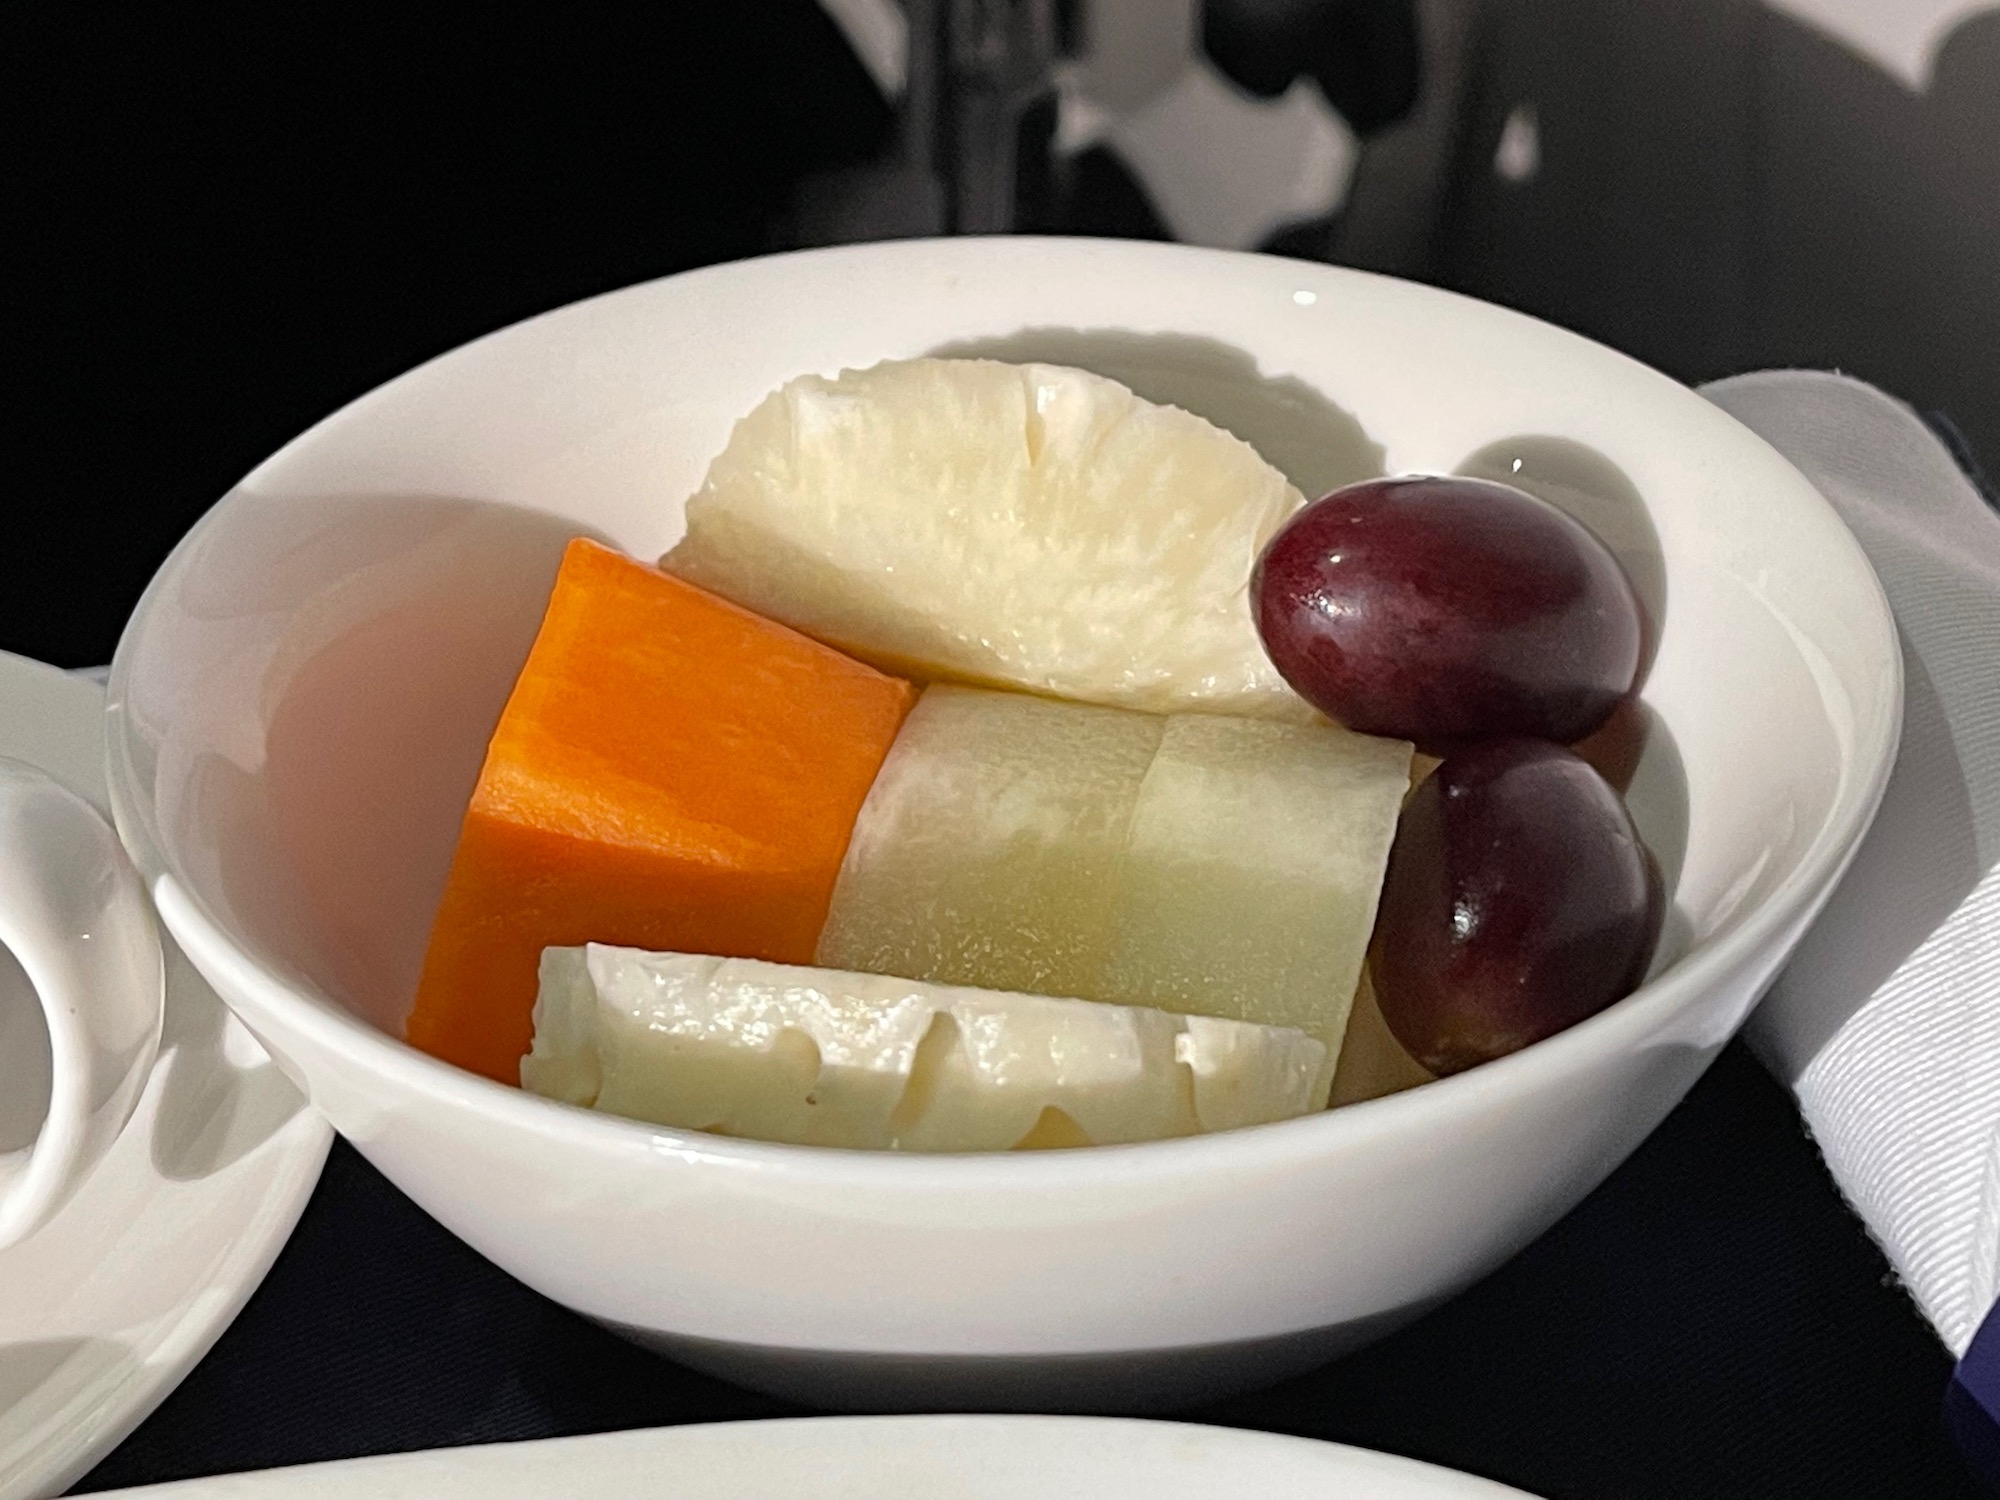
(1886, 1024)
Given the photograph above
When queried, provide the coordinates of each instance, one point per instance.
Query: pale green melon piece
(989, 849)
(1252, 870)
(1214, 866)
(820, 1057)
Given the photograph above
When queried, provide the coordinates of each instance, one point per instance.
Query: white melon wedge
(1204, 864)
(1027, 526)
(823, 1057)
(991, 843)
(1252, 871)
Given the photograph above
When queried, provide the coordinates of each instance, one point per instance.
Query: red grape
(1519, 900)
(1448, 610)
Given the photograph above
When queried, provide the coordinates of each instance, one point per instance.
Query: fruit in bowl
(667, 750)
(302, 704)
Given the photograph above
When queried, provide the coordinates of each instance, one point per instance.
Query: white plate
(109, 1305)
(875, 1458)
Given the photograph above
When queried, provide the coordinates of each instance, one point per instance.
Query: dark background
(234, 226)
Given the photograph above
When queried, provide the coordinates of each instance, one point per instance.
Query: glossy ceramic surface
(108, 1304)
(78, 928)
(871, 1458)
(299, 707)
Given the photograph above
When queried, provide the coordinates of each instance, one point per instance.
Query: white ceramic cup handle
(74, 913)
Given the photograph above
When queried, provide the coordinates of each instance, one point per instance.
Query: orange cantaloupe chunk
(671, 772)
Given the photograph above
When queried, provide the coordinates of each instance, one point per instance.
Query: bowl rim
(301, 1008)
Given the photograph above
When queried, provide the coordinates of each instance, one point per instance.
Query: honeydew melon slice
(990, 846)
(1252, 871)
(1196, 863)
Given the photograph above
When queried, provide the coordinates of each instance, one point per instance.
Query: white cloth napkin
(1886, 1024)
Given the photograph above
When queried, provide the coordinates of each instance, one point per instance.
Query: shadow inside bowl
(1657, 797)
(327, 823)
(1588, 487)
(1635, 751)
(1312, 442)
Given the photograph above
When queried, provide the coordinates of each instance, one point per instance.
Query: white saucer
(109, 1305)
(866, 1458)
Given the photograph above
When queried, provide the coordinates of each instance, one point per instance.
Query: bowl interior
(302, 700)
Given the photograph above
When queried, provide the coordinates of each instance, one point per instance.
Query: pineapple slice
(817, 1057)
(1026, 526)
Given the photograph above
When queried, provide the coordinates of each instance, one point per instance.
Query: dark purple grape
(1447, 610)
(1519, 900)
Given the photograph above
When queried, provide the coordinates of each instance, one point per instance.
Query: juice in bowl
(302, 705)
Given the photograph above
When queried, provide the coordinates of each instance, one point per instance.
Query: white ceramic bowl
(299, 707)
